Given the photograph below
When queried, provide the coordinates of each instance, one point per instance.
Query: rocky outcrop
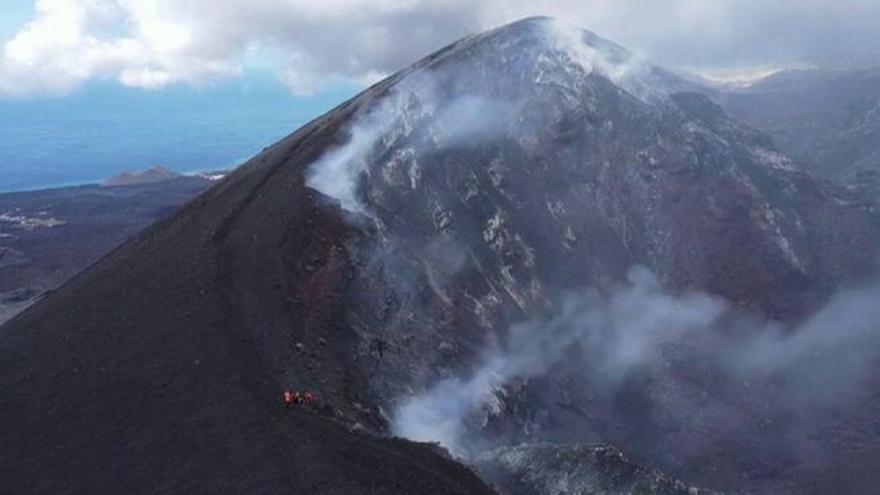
(553, 469)
(150, 175)
(827, 119)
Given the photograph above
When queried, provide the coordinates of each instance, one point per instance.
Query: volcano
(378, 249)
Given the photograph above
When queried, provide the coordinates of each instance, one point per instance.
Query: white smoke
(626, 70)
(604, 337)
(629, 323)
(337, 173)
(815, 364)
(455, 120)
(822, 359)
(460, 118)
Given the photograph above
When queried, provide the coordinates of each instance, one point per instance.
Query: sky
(308, 54)
(13, 15)
(57, 46)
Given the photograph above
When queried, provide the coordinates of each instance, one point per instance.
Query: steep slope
(829, 120)
(161, 368)
(379, 248)
(59, 232)
(671, 183)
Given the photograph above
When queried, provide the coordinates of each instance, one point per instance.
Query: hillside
(492, 240)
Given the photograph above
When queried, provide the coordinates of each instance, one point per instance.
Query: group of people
(292, 397)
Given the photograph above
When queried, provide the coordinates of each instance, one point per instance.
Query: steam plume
(814, 365)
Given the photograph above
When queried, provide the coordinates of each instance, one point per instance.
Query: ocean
(105, 129)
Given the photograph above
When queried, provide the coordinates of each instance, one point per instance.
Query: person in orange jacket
(290, 397)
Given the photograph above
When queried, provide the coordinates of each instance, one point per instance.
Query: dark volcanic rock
(549, 469)
(827, 119)
(602, 173)
(18, 296)
(11, 257)
(484, 181)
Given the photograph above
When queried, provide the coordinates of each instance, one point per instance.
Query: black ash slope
(159, 370)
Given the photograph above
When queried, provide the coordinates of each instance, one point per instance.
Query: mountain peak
(494, 85)
(546, 50)
(489, 182)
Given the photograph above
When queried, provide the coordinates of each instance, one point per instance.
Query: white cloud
(154, 43)
(72, 41)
